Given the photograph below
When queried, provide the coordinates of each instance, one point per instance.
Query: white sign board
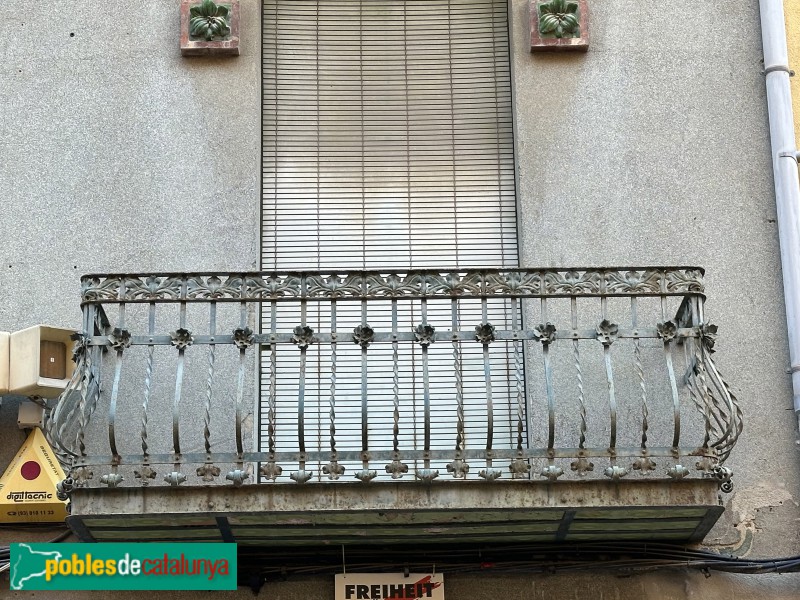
(389, 586)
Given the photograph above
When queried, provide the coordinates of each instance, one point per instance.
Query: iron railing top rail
(335, 284)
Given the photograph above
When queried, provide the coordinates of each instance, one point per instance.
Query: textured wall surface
(119, 155)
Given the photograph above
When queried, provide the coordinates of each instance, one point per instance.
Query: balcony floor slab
(339, 513)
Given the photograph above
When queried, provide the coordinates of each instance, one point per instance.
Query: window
(387, 143)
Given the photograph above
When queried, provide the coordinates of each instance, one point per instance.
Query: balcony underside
(401, 513)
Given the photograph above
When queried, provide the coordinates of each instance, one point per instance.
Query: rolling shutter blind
(387, 134)
(387, 143)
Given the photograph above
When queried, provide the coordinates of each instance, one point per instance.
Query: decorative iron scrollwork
(490, 474)
(633, 282)
(615, 472)
(607, 332)
(545, 333)
(175, 478)
(64, 488)
(645, 464)
(237, 476)
(112, 480)
(677, 471)
(582, 465)
(366, 475)
(427, 475)
(708, 336)
(145, 473)
(119, 339)
(573, 282)
(363, 335)
(303, 336)
(551, 472)
(425, 334)
(302, 476)
(397, 469)
(667, 331)
(333, 470)
(519, 468)
(208, 472)
(82, 476)
(684, 280)
(212, 287)
(723, 475)
(270, 470)
(334, 286)
(182, 338)
(484, 333)
(153, 288)
(243, 337)
(459, 468)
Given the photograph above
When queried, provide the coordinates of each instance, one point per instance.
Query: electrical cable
(623, 556)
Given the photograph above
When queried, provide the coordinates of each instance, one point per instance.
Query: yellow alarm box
(28, 487)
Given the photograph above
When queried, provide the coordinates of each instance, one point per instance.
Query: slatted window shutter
(387, 134)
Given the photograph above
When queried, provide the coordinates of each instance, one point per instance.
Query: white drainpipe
(784, 160)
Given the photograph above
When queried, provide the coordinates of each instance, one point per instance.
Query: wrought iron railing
(485, 374)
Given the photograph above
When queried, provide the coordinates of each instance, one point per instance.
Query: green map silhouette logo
(118, 566)
(27, 563)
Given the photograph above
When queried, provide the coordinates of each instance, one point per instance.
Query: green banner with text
(123, 566)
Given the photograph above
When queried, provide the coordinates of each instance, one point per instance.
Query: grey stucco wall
(119, 155)
(653, 148)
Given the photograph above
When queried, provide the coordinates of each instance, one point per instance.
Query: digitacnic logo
(114, 566)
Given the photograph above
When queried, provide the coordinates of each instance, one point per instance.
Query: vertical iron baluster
(578, 372)
(520, 467)
(364, 407)
(673, 385)
(176, 441)
(332, 401)
(84, 406)
(240, 384)
(426, 392)
(63, 418)
(212, 331)
(548, 382)
(457, 368)
(301, 476)
(518, 372)
(148, 378)
(484, 333)
(112, 408)
(701, 373)
(395, 381)
(396, 468)
(612, 398)
(273, 381)
(301, 396)
(644, 463)
(637, 355)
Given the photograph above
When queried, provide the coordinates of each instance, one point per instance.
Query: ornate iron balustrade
(422, 374)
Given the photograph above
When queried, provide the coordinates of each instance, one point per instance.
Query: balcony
(319, 408)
